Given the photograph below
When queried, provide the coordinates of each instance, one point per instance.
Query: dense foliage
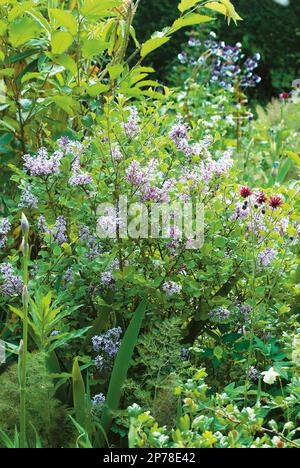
(280, 63)
(120, 330)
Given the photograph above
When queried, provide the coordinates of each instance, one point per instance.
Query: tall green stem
(25, 247)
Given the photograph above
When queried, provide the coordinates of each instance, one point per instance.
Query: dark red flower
(261, 198)
(284, 96)
(245, 192)
(275, 202)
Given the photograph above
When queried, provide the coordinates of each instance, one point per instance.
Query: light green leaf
(31, 76)
(41, 21)
(189, 20)
(66, 103)
(186, 4)
(3, 27)
(61, 41)
(7, 72)
(226, 8)
(152, 44)
(294, 156)
(66, 61)
(216, 6)
(96, 89)
(22, 30)
(218, 352)
(92, 47)
(63, 18)
(114, 71)
(95, 9)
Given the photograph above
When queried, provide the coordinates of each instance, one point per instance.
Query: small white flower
(270, 376)
(283, 3)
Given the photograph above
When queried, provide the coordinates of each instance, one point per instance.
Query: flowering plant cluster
(147, 249)
(227, 65)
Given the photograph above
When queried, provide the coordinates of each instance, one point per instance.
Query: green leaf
(189, 20)
(186, 4)
(216, 6)
(61, 41)
(218, 352)
(7, 72)
(31, 76)
(96, 89)
(92, 47)
(3, 27)
(152, 44)
(22, 30)
(78, 394)
(226, 8)
(121, 366)
(95, 9)
(294, 156)
(66, 61)
(67, 337)
(114, 71)
(41, 21)
(66, 103)
(63, 18)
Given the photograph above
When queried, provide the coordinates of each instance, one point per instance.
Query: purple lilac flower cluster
(144, 180)
(28, 199)
(108, 223)
(116, 153)
(106, 345)
(79, 177)
(179, 134)
(12, 284)
(171, 288)
(131, 127)
(76, 149)
(58, 231)
(266, 257)
(43, 164)
(134, 174)
(220, 314)
(5, 227)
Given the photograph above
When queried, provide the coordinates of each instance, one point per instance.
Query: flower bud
(24, 225)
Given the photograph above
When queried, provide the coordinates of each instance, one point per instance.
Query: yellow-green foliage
(44, 412)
